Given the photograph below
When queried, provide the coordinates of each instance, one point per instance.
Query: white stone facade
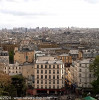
(81, 74)
(49, 73)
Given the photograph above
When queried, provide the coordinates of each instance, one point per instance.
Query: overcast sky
(49, 13)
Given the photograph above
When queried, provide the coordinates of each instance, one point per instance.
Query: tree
(95, 68)
(5, 81)
(11, 90)
(18, 81)
(95, 85)
(6, 86)
(11, 57)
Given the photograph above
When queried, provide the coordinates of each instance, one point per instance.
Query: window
(49, 76)
(53, 76)
(62, 77)
(49, 71)
(26, 57)
(57, 86)
(80, 75)
(41, 71)
(62, 81)
(45, 71)
(53, 66)
(38, 86)
(45, 86)
(45, 81)
(53, 71)
(37, 71)
(41, 81)
(53, 86)
(49, 66)
(57, 76)
(57, 66)
(79, 70)
(45, 76)
(37, 76)
(80, 80)
(37, 66)
(42, 86)
(41, 76)
(57, 81)
(41, 66)
(62, 66)
(37, 81)
(57, 71)
(53, 81)
(49, 86)
(45, 66)
(16, 71)
(49, 81)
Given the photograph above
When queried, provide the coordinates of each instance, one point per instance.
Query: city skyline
(49, 13)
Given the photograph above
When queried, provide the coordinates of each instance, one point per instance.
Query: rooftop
(48, 60)
(73, 51)
(64, 55)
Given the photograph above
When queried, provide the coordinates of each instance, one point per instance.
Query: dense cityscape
(49, 63)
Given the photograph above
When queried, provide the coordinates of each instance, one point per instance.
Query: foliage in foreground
(95, 68)
(12, 86)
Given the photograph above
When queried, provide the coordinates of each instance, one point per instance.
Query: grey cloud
(19, 13)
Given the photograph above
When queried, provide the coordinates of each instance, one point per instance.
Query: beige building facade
(28, 73)
(66, 58)
(13, 69)
(23, 56)
(49, 75)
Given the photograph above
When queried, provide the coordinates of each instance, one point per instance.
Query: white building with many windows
(81, 74)
(13, 69)
(49, 75)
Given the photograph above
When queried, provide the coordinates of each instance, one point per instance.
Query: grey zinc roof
(73, 52)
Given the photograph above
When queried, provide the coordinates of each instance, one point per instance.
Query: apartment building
(66, 58)
(13, 69)
(91, 53)
(26, 70)
(22, 56)
(28, 73)
(49, 75)
(74, 54)
(81, 74)
(4, 57)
